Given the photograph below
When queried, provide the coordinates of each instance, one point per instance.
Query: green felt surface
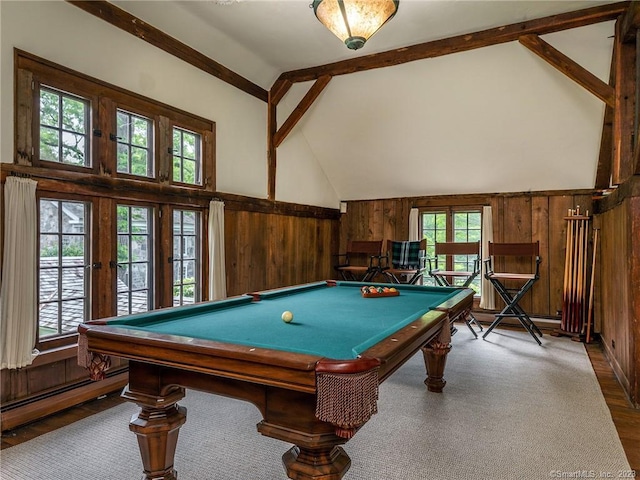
(334, 322)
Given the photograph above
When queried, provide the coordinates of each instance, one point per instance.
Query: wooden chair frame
(512, 296)
(445, 277)
(394, 274)
(357, 249)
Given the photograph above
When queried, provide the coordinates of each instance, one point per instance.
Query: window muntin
(64, 128)
(135, 144)
(434, 229)
(467, 227)
(135, 259)
(63, 284)
(449, 225)
(187, 157)
(60, 88)
(186, 257)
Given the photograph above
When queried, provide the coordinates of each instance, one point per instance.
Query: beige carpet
(510, 410)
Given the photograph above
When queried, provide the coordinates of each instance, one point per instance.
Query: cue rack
(578, 290)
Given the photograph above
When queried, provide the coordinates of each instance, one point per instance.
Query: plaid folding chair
(405, 261)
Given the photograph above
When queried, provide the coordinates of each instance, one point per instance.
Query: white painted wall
(299, 174)
(496, 119)
(64, 34)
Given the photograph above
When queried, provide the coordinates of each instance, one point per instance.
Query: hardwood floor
(625, 417)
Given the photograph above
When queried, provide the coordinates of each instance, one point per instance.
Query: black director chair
(361, 261)
(470, 251)
(513, 295)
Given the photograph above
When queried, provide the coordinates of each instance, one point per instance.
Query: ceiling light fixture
(354, 21)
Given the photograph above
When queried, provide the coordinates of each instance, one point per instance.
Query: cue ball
(287, 316)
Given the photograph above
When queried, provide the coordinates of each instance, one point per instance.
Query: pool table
(315, 380)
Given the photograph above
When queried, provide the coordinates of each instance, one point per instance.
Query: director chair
(361, 261)
(513, 295)
(404, 261)
(463, 254)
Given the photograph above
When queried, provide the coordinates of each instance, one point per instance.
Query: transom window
(64, 126)
(135, 144)
(63, 285)
(187, 163)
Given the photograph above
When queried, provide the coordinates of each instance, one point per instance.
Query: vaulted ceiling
(494, 119)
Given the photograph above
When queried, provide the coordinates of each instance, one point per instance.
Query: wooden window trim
(105, 99)
(67, 338)
(449, 211)
(101, 185)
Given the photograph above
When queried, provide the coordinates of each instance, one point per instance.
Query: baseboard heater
(35, 408)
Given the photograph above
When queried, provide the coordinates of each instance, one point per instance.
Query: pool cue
(580, 275)
(575, 278)
(586, 271)
(567, 269)
(592, 286)
(581, 283)
(570, 299)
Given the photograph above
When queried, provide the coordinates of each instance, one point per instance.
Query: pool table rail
(285, 386)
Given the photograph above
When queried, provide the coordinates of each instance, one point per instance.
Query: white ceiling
(504, 118)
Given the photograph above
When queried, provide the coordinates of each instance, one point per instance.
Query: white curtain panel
(18, 293)
(414, 225)
(487, 300)
(217, 268)
(414, 230)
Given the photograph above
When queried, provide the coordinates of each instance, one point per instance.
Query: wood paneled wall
(524, 217)
(265, 250)
(268, 245)
(618, 283)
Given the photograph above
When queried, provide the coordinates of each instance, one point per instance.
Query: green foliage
(186, 159)
(71, 250)
(188, 288)
(63, 132)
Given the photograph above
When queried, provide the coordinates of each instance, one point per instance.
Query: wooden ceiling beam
(301, 109)
(462, 43)
(571, 69)
(131, 24)
(624, 111)
(605, 157)
(631, 22)
(278, 91)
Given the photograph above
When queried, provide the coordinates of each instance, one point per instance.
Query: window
(186, 157)
(453, 225)
(135, 135)
(186, 257)
(64, 125)
(63, 284)
(128, 181)
(135, 265)
(84, 125)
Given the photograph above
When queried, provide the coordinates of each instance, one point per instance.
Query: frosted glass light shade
(354, 21)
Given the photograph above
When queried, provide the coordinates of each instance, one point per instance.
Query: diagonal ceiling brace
(301, 109)
(571, 69)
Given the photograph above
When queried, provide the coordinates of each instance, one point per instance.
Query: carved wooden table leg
(435, 358)
(314, 456)
(329, 463)
(157, 426)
